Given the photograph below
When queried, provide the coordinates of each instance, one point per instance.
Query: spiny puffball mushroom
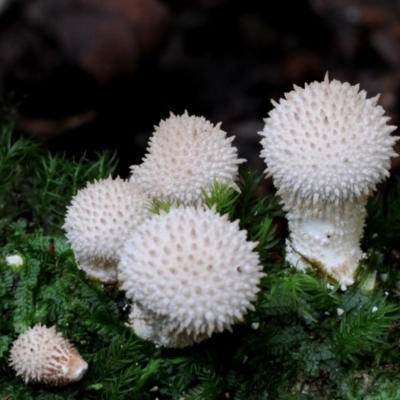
(186, 155)
(99, 218)
(191, 270)
(42, 354)
(327, 146)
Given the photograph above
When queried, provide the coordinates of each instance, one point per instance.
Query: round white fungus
(193, 270)
(186, 155)
(327, 146)
(99, 218)
(42, 354)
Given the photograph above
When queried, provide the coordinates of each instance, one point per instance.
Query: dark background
(95, 74)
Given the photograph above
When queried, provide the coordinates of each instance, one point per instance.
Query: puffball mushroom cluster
(189, 272)
(42, 354)
(327, 146)
(187, 154)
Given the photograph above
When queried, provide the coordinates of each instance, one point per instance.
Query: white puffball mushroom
(98, 220)
(42, 354)
(327, 147)
(186, 155)
(190, 272)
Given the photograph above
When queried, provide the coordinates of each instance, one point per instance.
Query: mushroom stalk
(329, 242)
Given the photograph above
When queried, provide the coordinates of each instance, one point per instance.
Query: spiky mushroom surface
(186, 155)
(193, 270)
(99, 218)
(327, 146)
(41, 354)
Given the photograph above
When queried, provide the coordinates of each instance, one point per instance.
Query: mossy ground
(295, 345)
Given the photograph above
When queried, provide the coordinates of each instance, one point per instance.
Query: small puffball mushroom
(186, 155)
(190, 273)
(41, 354)
(99, 218)
(327, 147)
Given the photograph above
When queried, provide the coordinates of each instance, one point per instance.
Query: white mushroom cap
(41, 354)
(99, 218)
(191, 268)
(327, 142)
(186, 155)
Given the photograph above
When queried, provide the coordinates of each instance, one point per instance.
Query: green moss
(294, 345)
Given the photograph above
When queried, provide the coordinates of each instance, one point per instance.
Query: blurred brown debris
(48, 128)
(367, 35)
(106, 39)
(57, 56)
